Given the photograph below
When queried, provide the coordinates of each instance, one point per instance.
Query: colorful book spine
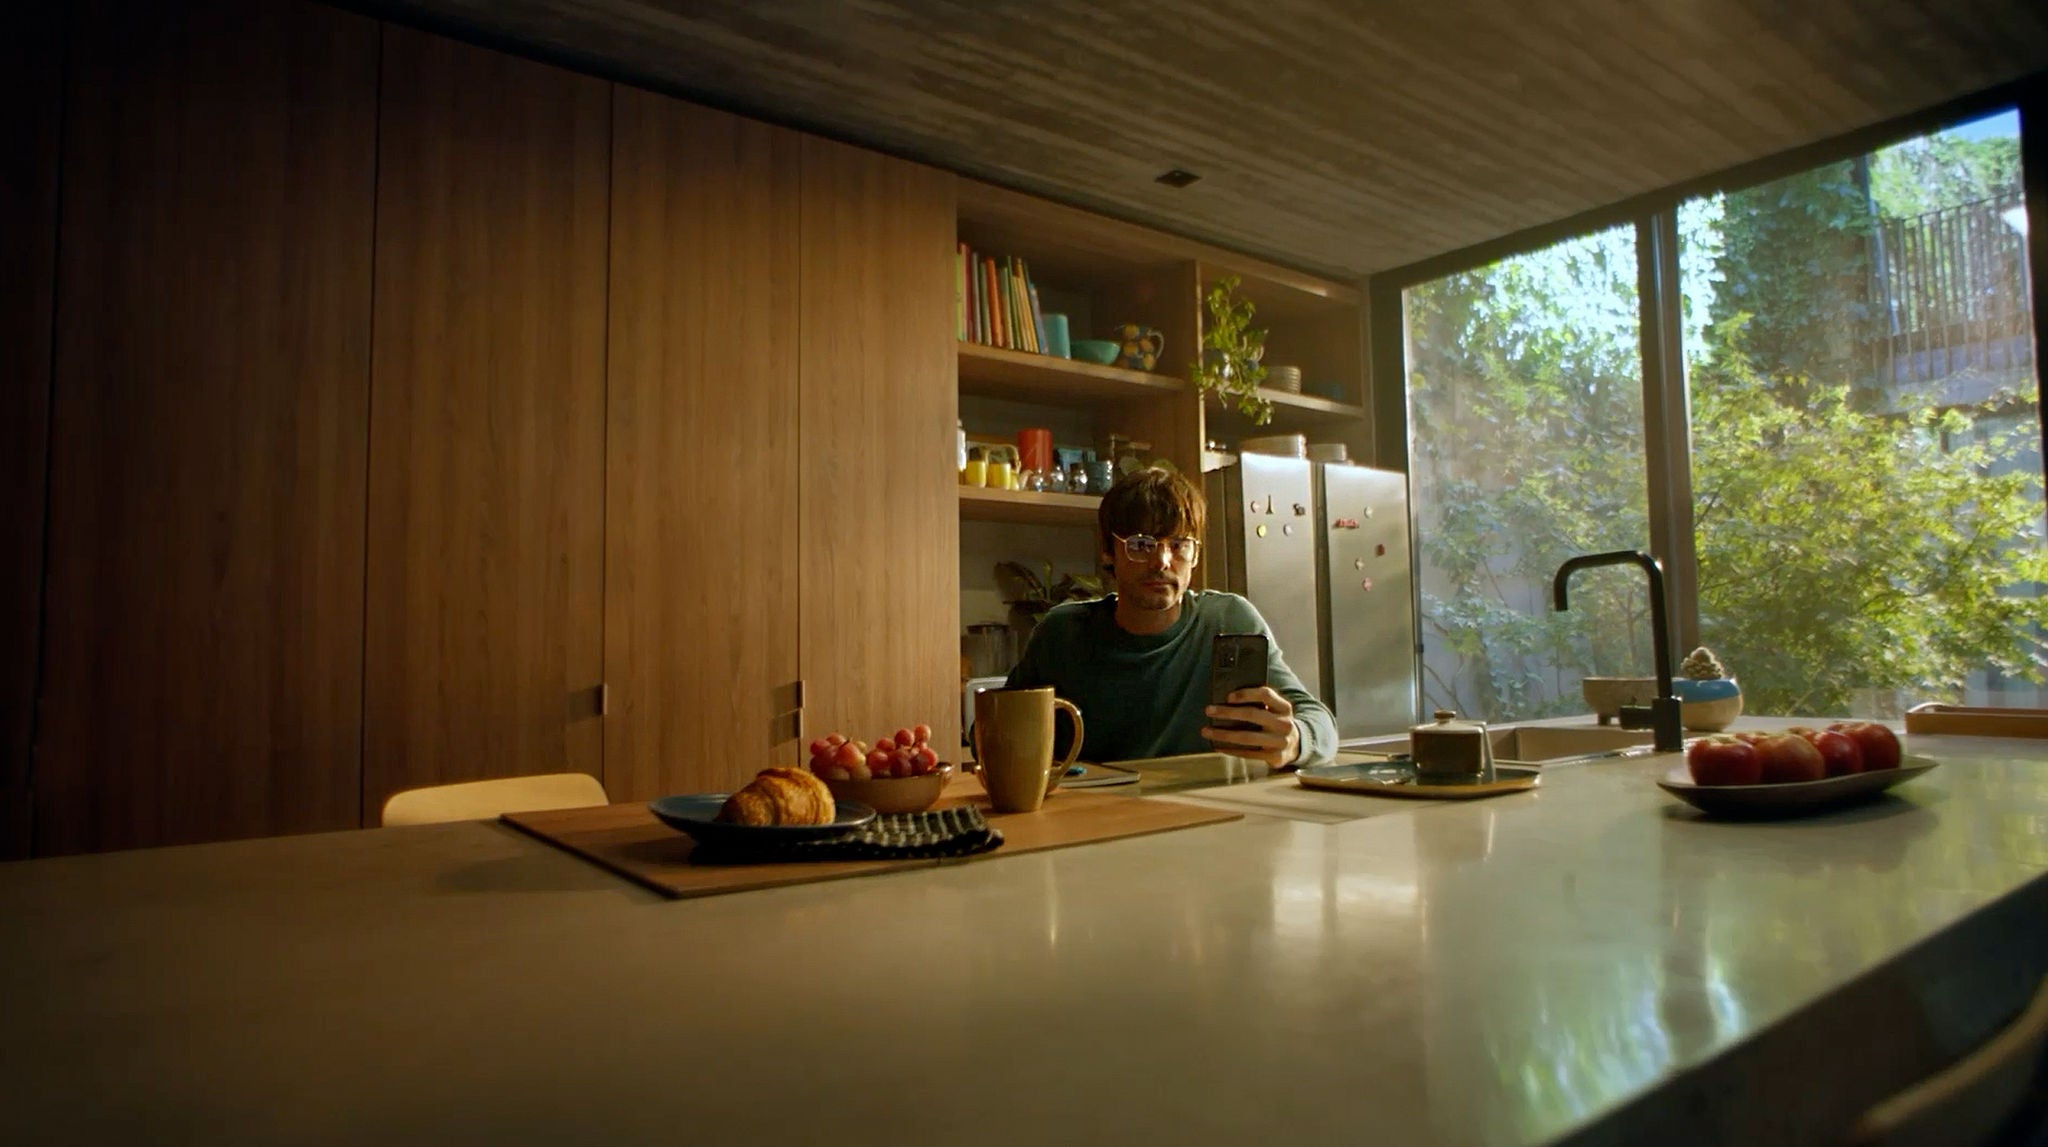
(999, 334)
(1037, 317)
(960, 293)
(981, 334)
(1022, 289)
(984, 324)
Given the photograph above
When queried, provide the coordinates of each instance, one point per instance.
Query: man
(1137, 661)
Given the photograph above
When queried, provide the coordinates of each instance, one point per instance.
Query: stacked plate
(1287, 378)
(1284, 445)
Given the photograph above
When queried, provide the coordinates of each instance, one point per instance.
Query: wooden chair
(482, 800)
(1970, 1101)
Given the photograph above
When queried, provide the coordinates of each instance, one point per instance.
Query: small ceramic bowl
(1099, 351)
(888, 795)
(1707, 705)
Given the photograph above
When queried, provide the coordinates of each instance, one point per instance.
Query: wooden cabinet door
(31, 58)
(484, 621)
(701, 453)
(880, 523)
(205, 571)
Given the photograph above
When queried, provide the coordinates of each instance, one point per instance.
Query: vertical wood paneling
(485, 614)
(880, 526)
(31, 53)
(701, 455)
(205, 592)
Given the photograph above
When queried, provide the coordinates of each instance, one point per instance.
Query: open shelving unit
(1101, 273)
(978, 504)
(1025, 377)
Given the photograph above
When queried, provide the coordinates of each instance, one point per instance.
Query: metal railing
(1952, 292)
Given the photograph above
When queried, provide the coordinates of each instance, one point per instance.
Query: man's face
(1155, 580)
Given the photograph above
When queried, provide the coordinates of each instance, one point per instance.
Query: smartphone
(1236, 661)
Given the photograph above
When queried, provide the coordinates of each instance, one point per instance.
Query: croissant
(780, 796)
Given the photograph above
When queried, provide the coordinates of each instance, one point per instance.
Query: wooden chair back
(482, 800)
(1969, 1102)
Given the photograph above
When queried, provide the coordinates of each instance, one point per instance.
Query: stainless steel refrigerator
(1322, 551)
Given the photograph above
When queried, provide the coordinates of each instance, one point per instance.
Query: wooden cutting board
(1974, 721)
(627, 839)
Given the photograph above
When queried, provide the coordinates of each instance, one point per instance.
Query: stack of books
(995, 303)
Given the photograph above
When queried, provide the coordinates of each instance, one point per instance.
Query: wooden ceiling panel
(1333, 135)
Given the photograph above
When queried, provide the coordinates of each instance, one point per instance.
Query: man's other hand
(1276, 741)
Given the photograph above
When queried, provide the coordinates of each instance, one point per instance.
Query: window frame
(1654, 214)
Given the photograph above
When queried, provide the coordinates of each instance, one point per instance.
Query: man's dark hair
(1153, 501)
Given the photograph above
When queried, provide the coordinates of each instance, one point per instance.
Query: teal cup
(1056, 343)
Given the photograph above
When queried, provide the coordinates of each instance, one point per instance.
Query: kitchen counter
(1590, 961)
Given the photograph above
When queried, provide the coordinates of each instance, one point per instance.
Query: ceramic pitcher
(1141, 346)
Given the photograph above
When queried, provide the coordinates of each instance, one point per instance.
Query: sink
(1538, 744)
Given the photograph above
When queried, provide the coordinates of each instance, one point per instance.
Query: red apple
(1879, 744)
(1788, 757)
(1838, 752)
(1723, 760)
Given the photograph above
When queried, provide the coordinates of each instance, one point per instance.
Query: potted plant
(1029, 595)
(1709, 699)
(1231, 350)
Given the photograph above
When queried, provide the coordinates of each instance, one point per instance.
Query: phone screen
(1236, 661)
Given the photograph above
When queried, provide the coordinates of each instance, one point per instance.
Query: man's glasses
(1145, 547)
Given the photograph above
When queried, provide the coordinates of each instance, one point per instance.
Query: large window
(1864, 456)
(1525, 407)
(1866, 429)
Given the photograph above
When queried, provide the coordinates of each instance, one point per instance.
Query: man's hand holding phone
(1251, 718)
(1272, 736)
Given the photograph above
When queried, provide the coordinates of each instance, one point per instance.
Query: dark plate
(1397, 778)
(697, 814)
(1800, 798)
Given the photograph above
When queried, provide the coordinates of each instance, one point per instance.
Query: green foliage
(1844, 543)
(1938, 171)
(1795, 258)
(1231, 349)
(1526, 406)
(1841, 550)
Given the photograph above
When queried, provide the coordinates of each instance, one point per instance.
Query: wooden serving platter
(1976, 721)
(627, 839)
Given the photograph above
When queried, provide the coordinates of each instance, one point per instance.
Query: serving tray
(1398, 778)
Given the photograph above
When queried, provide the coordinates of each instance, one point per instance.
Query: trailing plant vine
(1231, 349)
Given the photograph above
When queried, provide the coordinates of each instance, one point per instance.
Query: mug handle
(1059, 768)
(1155, 343)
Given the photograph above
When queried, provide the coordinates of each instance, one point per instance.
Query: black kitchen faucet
(1661, 715)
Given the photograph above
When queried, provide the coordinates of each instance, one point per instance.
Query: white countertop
(1590, 959)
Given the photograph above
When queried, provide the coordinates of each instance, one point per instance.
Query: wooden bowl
(888, 795)
(1608, 694)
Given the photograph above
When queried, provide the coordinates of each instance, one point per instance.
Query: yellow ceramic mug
(1002, 467)
(975, 473)
(1013, 745)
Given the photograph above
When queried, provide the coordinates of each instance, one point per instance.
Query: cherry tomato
(847, 755)
(820, 747)
(923, 733)
(927, 757)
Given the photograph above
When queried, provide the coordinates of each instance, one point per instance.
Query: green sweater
(1143, 695)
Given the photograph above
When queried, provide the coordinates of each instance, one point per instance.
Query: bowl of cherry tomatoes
(899, 772)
